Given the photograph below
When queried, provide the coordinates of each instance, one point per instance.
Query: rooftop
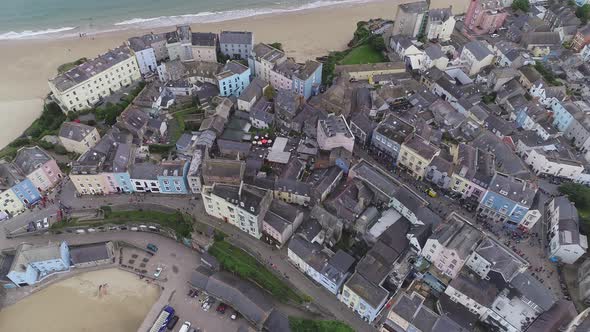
(236, 37)
(75, 131)
(91, 68)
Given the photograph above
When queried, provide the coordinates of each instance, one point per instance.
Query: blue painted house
(233, 79)
(507, 199)
(33, 263)
(26, 191)
(563, 114)
(307, 80)
(172, 177)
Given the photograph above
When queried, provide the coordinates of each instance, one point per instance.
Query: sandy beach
(74, 305)
(26, 65)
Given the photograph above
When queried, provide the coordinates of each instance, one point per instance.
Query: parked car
(38, 224)
(172, 323)
(234, 315)
(221, 308)
(152, 247)
(185, 327)
(158, 272)
(45, 223)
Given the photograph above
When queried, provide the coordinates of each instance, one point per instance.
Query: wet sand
(26, 65)
(75, 305)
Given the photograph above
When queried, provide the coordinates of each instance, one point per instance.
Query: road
(269, 255)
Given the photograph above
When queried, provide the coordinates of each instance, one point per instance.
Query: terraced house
(85, 85)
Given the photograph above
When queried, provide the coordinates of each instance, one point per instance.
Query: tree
(378, 43)
(269, 93)
(583, 13)
(523, 5)
(277, 45)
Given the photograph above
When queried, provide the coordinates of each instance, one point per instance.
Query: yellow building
(84, 85)
(416, 154)
(78, 137)
(10, 203)
(89, 184)
(364, 72)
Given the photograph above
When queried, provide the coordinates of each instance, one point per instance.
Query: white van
(135, 229)
(185, 326)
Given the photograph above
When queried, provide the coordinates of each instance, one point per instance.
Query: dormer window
(252, 208)
(503, 192)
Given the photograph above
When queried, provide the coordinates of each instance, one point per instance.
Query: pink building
(39, 167)
(484, 16)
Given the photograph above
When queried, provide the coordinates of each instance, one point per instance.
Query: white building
(451, 244)
(329, 271)
(84, 85)
(440, 24)
(550, 162)
(492, 256)
(476, 56)
(242, 206)
(473, 293)
(566, 244)
(236, 44)
(333, 132)
(263, 59)
(144, 49)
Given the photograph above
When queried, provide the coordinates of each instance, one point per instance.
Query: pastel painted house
(329, 271)
(563, 114)
(233, 79)
(33, 263)
(144, 177)
(507, 199)
(78, 137)
(10, 202)
(40, 168)
(172, 177)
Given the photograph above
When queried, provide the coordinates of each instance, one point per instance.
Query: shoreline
(306, 34)
(163, 21)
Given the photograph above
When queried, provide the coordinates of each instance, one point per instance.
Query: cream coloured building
(10, 203)
(416, 154)
(204, 46)
(78, 137)
(242, 206)
(84, 85)
(363, 72)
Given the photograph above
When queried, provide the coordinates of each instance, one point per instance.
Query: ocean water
(53, 18)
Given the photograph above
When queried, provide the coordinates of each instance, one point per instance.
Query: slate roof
(529, 287)
(502, 259)
(371, 293)
(421, 147)
(91, 68)
(236, 37)
(477, 289)
(478, 49)
(28, 159)
(75, 131)
(203, 39)
(242, 295)
(515, 189)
